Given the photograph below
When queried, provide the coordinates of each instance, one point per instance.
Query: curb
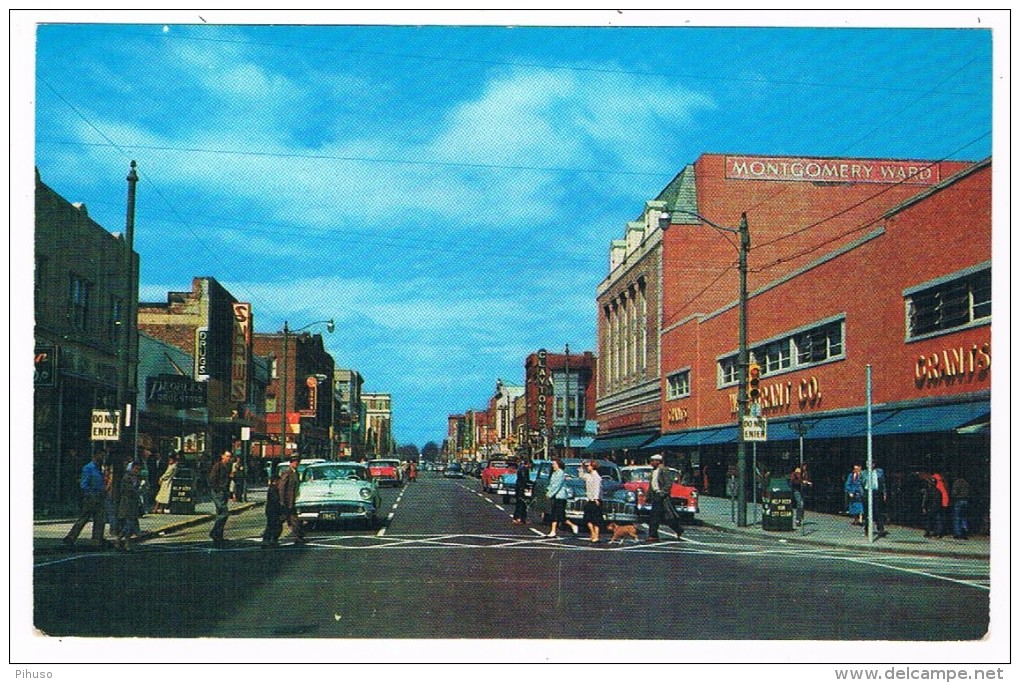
(845, 546)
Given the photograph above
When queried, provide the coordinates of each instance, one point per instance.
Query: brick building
(215, 329)
(559, 393)
(85, 341)
(895, 276)
(660, 280)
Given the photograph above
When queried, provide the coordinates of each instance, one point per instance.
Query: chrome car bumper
(612, 510)
(334, 512)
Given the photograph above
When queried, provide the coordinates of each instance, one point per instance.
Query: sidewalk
(48, 535)
(835, 531)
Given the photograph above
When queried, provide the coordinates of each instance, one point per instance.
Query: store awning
(931, 418)
(580, 441)
(617, 443)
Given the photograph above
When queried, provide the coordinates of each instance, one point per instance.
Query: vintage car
(638, 478)
(386, 472)
(302, 465)
(492, 470)
(453, 471)
(338, 492)
(618, 504)
(506, 484)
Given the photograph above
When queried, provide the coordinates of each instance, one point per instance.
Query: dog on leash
(622, 531)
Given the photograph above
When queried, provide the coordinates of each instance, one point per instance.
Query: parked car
(638, 478)
(453, 471)
(337, 492)
(304, 464)
(618, 504)
(386, 472)
(506, 484)
(491, 471)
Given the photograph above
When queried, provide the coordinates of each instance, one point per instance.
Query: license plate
(328, 515)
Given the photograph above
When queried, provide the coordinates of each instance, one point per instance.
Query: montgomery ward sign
(832, 170)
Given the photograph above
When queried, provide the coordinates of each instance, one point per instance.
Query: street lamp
(745, 246)
(330, 326)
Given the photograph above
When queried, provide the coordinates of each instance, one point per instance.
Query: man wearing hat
(658, 489)
(288, 487)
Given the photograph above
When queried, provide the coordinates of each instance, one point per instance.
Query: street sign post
(755, 428)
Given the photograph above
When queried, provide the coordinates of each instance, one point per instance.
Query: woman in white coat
(165, 482)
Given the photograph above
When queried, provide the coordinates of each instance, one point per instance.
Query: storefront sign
(780, 395)
(953, 365)
(831, 170)
(677, 415)
(45, 366)
(201, 354)
(239, 360)
(105, 425)
(176, 391)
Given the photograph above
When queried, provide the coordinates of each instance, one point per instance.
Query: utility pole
(566, 402)
(742, 362)
(129, 325)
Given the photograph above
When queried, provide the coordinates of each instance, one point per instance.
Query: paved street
(449, 564)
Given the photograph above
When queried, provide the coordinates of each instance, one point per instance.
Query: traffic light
(753, 382)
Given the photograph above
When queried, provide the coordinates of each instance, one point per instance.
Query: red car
(492, 471)
(386, 472)
(637, 478)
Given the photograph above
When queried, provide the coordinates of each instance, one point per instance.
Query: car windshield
(383, 463)
(643, 474)
(329, 472)
(453, 466)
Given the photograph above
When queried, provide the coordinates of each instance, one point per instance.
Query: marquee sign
(177, 391)
(239, 352)
(832, 170)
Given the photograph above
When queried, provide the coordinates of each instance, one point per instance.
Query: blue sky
(448, 193)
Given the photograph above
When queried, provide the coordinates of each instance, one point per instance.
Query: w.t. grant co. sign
(832, 170)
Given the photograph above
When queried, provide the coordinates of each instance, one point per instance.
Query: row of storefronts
(854, 264)
(188, 375)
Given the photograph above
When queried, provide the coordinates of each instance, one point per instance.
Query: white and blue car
(333, 492)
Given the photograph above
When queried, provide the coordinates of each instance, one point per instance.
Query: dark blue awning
(931, 418)
(616, 443)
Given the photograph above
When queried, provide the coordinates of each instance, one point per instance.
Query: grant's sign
(832, 170)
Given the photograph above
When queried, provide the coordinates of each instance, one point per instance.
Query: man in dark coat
(288, 486)
(219, 489)
(274, 522)
(521, 491)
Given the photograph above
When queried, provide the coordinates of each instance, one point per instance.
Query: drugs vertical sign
(106, 425)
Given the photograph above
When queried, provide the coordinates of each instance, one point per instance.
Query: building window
(807, 347)
(678, 385)
(78, 302)
(728, 371)
(775, 357)
(950, 305)
(819, 344)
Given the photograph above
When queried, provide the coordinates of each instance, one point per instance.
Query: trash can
(182, 492)
(778, 506)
